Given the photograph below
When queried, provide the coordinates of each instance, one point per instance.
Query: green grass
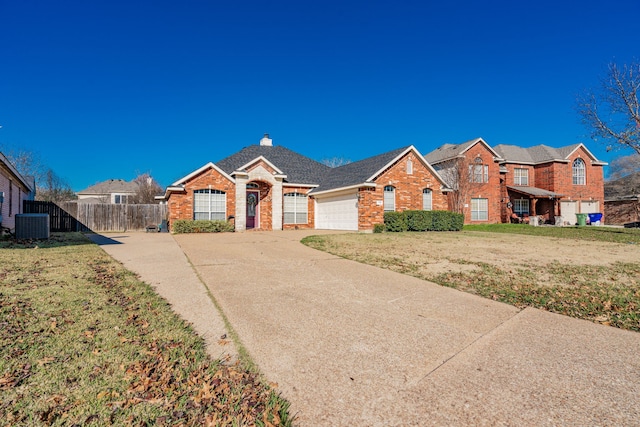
(594, 233)
(84, 342)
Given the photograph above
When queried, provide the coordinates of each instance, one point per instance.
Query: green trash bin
(582, 219)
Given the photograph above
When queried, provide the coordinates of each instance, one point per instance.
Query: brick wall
(181, 204)
(490, 190)
(622, 212)
(408, 191)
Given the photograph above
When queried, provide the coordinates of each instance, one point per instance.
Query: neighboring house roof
(540, 154)
(298, 168)
(451, 151)
(625, 188)
(10, 169)
(534, 191)
(111, 186)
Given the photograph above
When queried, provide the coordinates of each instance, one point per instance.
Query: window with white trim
(579, 172)
(479, 209)
(409, 167)
(120, 199)
(209, 204)
(521, 207)
(478, 172)
(389, 198)
(296, 208)
(427, 199)
(520, 176)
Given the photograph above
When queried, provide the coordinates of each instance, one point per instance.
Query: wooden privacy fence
(98, 217)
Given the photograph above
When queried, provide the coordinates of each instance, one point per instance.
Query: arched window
(579, 172)
(295, 208)
(209, 204)
(409, 167)
(427, 200)
(478, 171)
(389, 198)
(253, 186)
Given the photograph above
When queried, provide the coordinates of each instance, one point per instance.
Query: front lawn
(577, 272)
(84, 342)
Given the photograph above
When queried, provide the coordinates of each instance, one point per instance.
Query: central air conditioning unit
(32, 226)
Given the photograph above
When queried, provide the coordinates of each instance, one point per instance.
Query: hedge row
(181, 226)
(423, 221)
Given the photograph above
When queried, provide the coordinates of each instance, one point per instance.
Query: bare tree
(49, 186)
(148, 189)
(456, 174)
(612, 112)
(624, 166)
(334, 162)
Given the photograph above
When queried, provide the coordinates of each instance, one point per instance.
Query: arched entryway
(257, 206)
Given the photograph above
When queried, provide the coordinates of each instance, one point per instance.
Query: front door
(252, 209)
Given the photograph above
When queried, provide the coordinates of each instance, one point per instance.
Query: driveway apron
(354, 345)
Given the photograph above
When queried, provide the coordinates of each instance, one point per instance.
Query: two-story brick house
(269, 187)
(551, 183)
(472, 170)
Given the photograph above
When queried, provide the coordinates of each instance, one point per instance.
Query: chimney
(266, 141)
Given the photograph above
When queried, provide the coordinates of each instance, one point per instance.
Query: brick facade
(408, 191)
(181, 203)
(486, 190)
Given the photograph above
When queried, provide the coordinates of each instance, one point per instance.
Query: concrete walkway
(354, 345)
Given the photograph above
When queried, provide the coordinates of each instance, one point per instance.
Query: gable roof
(356, 172)
(298, 168)
(7, 166)
(540, 153)
(111, 186)
(451, 151)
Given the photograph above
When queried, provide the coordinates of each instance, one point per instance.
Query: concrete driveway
(354, 345)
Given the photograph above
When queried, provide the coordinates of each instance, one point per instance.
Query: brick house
(269, 187)
(472, 170)
(622, 200)
(550, 182)
(14, 189)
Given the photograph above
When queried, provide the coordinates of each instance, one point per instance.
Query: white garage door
(589, 207)
(568, 212)
(337, 213)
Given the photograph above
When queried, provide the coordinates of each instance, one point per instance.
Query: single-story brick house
(14, 189)
(269, 187)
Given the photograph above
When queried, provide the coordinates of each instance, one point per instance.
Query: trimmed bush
(395, 221)
(423, 221)
(378, 228)
(182, 226)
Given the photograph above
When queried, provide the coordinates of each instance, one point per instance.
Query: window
(409, 167)
(427, 200)
(521, 206)
(579, 174)
(253, 186)
(478, 172)
(521, 176)
(209, 204)
(295, 208)
(120, 199)
(389, 198)
(479, 209)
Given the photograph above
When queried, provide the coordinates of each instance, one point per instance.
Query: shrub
(200, 226)
(423, 221)
(395, 221)
(378, 228)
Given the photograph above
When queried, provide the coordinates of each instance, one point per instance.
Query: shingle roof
(111, 186)
(298, 168)
(537, 154)
(357, 172)
(534, 191)
(448, 151)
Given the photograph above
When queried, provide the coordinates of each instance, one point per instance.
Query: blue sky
(110, 89)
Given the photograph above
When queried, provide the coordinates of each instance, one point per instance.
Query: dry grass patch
(584, 278)
(84, 342)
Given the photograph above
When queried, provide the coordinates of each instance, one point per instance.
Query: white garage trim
(568, 211)
(337, 212)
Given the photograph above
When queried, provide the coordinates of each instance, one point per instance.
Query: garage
(568, 210)
(337, 212)
(589, 207)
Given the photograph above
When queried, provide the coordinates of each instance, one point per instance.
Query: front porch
(527, 202)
